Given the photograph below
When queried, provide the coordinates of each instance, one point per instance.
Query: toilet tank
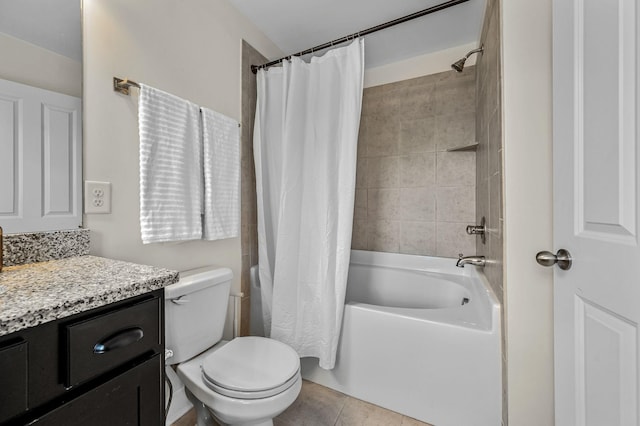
(195, 311)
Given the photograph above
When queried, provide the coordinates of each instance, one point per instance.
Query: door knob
(562, 258)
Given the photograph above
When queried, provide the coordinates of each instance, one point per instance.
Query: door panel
(605, 369)
(605, 111)
(58, 140)
(9, 156)
(597, 103)
(597, 301)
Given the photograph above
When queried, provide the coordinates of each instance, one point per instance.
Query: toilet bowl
(246, 381)
(255, 407)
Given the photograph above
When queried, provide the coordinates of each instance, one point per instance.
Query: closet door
(40, 159)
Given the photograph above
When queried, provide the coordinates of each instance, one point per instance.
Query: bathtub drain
(465, 300)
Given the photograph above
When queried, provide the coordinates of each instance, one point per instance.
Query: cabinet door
(40, 159)
(135, 397)
(13, 380)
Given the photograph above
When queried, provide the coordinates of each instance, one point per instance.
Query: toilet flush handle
(180, 300)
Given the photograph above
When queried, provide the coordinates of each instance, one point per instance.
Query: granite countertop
(36, 293)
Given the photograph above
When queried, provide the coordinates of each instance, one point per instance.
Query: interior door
(40, 159)
(597, 301)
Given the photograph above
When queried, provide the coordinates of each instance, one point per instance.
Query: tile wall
(249, 221)
(489, 162)
(412, 195)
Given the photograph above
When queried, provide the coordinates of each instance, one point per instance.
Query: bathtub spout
(470, 260)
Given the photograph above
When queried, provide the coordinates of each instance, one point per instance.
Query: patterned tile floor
(320, 406)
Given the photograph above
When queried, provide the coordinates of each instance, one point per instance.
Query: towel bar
(121, 85)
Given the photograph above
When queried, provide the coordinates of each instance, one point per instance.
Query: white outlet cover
(97, 197)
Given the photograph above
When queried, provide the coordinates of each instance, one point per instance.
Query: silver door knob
(562, 258)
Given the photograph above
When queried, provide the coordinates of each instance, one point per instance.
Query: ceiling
(296, 25)
(52, 25)
(293, 25)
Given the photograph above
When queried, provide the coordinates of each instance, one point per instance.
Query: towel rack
(122, 85)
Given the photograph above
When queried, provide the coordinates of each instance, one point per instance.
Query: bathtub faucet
(470, 260)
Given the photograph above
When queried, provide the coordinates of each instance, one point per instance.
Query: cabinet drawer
(99, 344)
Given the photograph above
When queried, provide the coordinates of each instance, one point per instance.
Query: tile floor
(321, 406)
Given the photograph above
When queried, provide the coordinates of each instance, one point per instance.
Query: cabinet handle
(179, 300)
(119, 340)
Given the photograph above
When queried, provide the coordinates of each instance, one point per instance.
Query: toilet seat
(251, 395)
(251, 368)
(230, 410)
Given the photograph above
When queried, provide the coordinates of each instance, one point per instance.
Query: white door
(596, 183)
(40, 159)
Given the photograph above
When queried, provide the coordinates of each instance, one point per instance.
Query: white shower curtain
(305, 145)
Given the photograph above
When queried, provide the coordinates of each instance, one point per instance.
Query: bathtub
(420, 337)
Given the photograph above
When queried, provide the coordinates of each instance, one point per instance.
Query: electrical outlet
(97, 197)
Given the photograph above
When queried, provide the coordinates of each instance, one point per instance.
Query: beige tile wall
(412, 196)
(489, 162)
(248, 230)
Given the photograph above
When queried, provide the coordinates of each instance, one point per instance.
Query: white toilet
(247, 381)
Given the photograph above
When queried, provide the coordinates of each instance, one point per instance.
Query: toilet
(245, 381)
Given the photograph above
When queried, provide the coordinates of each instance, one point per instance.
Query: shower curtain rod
(436, 8)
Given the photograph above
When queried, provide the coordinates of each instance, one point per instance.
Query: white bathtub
(420, 337)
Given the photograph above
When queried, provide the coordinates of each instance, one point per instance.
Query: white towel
(170, 167)
(221, 148)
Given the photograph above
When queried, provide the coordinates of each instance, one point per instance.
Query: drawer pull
(118, 340)
(179, 300)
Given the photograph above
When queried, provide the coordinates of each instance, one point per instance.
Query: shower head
(459, 64)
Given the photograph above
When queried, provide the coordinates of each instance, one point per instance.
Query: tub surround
(489, 163)
(489, 157)
(36, 293)
(31, 247)
(249, 208)
(412, 195)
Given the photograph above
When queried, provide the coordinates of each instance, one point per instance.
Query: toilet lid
(251, 365)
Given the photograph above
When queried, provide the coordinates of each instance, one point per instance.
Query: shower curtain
(305, 145)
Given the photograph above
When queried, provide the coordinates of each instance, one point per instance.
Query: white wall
(430, 63)
(528, 209)
(29, 64)
(192, 50)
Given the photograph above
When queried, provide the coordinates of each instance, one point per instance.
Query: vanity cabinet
(100, 367)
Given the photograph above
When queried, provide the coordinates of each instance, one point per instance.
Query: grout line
(345, 399)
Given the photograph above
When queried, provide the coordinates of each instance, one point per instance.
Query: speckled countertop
(36, 293)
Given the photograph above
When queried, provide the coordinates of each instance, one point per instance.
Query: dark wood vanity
(82, 342)
(104, 366)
